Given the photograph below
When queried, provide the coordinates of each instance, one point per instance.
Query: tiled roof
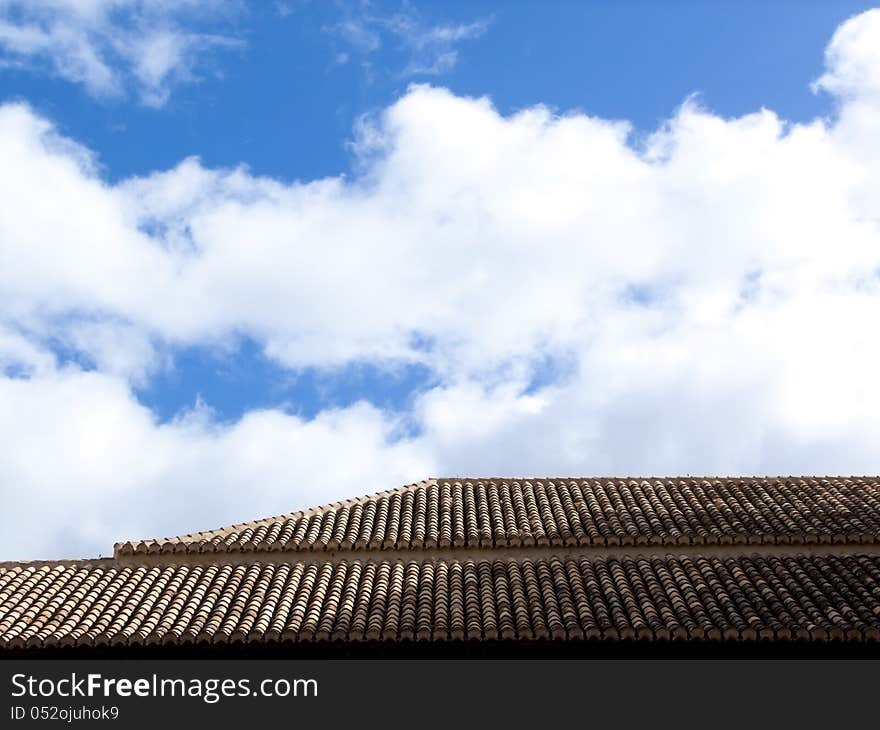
(489, 559)
(628, 598)
(484, 513)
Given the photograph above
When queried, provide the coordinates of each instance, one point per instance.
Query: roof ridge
(107, 561)
(473, 553)
(618, 477)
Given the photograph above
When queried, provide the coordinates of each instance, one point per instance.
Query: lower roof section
(686, 597)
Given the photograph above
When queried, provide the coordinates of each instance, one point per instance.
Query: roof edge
(122, 546)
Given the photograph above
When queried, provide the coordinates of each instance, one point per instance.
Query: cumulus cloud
(110, 46)
(698, 301)
(853, 58)
(85, 464)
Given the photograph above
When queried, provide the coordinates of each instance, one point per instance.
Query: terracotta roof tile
(748, 597)
(487, 559)
(444, 513)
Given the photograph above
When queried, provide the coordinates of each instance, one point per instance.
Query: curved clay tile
(627, 598)
(776, 558)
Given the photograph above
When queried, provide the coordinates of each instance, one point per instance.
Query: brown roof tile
(444, 513)
(633, 597)
(487, 559)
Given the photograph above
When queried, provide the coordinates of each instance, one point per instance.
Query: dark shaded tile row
(566, 512)
(747, 598)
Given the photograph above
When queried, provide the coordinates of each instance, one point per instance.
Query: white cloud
(111, 45)
(853, 58)
(430, 49)
(703, 301)
(84, 464)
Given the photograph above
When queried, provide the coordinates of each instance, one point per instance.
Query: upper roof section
(493, 513)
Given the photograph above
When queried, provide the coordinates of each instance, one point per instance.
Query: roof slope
(561, 598)
(492, 559)
(485, 513)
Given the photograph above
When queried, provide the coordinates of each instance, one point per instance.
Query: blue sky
(285, 104)
(282, 104)
(259, 255)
